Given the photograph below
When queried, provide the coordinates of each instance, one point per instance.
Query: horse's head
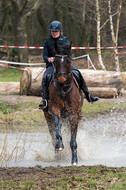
(62, 63)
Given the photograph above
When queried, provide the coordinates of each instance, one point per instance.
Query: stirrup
(42, 106)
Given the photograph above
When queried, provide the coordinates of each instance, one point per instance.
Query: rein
(62, 92)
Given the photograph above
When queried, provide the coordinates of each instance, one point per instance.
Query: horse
(64, 95)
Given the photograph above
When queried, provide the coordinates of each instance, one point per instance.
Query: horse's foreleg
(73, 119)
(73, 145)
(59, 144)
(51, 127)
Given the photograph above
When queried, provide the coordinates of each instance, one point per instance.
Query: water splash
(100, 141)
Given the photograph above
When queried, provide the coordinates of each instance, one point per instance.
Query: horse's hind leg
(59, 144)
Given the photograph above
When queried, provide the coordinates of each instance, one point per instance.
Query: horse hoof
(59, 149)
(59, 146)
(74, 164)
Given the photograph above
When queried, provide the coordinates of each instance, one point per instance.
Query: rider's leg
(83, 85)
(45, 85)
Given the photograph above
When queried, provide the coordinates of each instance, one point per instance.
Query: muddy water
(100, 141)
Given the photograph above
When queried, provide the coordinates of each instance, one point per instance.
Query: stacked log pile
(105, 84)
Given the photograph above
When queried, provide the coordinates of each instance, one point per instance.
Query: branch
(22, 9)
(108, 20)
(33, 9)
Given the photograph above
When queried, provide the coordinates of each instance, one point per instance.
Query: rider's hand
(51, 59)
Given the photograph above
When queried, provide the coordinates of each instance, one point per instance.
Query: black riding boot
(83, 86)
(88, 96)
(45, 94)
(47, 77)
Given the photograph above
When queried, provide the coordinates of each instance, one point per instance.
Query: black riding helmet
(55, 26)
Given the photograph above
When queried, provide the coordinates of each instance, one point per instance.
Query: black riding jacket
(48, 50)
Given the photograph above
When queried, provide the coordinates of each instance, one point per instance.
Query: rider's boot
(83, 86)
(45, 95)
(88, 96)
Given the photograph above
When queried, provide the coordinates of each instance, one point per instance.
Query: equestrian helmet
(55, 26)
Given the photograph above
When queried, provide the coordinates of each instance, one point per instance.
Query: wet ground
(101, 141)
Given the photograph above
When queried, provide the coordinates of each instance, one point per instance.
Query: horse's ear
(69, 47)
(56, 48)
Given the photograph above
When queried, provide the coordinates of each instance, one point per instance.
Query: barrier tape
(24, 69)
(17, 63)
(120, 53)
(28, 47)
(7, 89)
(3, 65)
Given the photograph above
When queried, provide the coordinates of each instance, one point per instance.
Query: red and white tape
(24, 69)
(8, 89)
(32, 47)
(17, 63)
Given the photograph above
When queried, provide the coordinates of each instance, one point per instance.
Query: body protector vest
(49, 43)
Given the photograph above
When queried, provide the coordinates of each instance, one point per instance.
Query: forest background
(87, 23)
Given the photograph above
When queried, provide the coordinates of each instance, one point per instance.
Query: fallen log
(104, 92)
(30, 82)
(100, 78)
(123, 75)
(7, 87)
(102, 83)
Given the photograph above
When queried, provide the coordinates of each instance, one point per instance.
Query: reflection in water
(100, 141)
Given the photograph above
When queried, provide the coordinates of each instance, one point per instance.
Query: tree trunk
(22, 39)
(115, 34)
(98, 35)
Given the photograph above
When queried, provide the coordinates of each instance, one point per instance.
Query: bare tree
(98, 35)
(18, 11)
(114, 34)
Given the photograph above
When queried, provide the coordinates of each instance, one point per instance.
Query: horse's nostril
(61, 80)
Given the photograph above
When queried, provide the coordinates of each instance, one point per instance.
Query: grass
(90, 110)
(18, 116)
(7, 108)
(21, 116)
(81, 178)
(12, 184)
(10, 75)
(91, 178)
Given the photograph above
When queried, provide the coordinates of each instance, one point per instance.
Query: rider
(49, 55)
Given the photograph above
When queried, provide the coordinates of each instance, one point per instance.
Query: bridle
(66, 75)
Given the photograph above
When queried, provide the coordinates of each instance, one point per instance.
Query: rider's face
(55, 34)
